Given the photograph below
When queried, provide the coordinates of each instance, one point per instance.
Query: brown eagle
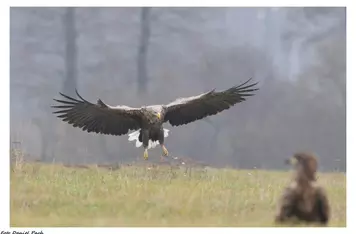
(147, 121)
(303, 199)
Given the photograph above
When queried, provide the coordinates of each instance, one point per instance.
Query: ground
(54, 195)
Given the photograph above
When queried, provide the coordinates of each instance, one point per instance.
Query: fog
(144, 56)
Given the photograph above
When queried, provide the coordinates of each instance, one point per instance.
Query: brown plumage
(303, 199)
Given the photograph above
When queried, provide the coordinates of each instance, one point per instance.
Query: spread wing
(186, 110)
(99, 117)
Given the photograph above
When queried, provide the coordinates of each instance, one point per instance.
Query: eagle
(147, 121)
(304, 200)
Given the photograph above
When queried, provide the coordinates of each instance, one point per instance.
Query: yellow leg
(145, 154)
(165, 151)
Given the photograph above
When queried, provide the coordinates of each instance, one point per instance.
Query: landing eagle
(147, 121)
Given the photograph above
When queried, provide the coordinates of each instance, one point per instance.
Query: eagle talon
(145, 154)
(165, 151)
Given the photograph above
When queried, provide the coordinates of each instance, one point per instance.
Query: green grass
(54, 195)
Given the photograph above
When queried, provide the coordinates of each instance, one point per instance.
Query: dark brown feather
(98, 118)
(186, 110)
(303, 199)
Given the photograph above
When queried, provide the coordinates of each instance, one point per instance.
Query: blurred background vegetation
(139, 56)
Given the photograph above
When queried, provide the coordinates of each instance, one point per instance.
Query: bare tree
(142, 50)
(48, 136)
(70, 80)
(70, 56)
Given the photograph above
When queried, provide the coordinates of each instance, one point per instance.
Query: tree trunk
(71, 79)
(142, 77)
(70, 58)
(70, 82)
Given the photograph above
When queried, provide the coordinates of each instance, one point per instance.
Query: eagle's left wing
(187, 110)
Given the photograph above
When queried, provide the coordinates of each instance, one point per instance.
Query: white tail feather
(151, 144)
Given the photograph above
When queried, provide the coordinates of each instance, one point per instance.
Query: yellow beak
(159, 115)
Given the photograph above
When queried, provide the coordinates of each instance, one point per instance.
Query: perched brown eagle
(303, 199)
(148, 120)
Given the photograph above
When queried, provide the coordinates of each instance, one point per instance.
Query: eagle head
(156, 111)
(305, 163)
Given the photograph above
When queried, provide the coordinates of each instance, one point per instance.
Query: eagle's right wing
(99, 117)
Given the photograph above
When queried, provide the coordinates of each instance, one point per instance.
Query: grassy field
(54, 195)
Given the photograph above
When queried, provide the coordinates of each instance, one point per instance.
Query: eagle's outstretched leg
(145, 154)
(165, 151)
(161, 142)
(145, 139)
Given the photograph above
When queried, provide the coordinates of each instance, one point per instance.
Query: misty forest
(143, 56)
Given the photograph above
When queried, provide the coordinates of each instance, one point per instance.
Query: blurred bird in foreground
(303, 199)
